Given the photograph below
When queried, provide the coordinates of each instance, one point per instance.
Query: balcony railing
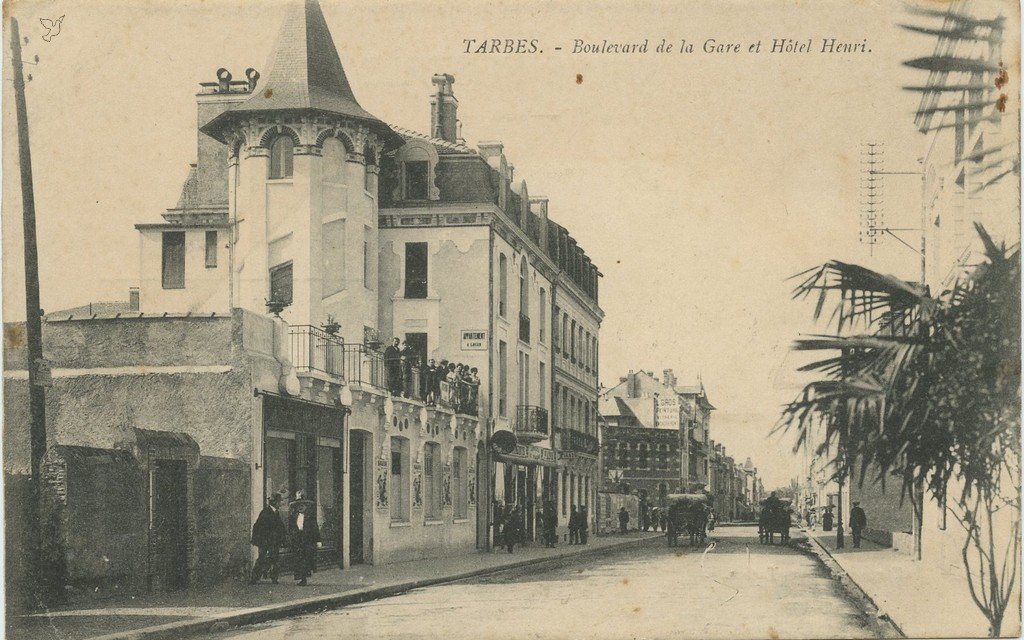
(460, 396)
(531, 423)
(364, 366)
(314, 349)
(573, 440)
(524, 328)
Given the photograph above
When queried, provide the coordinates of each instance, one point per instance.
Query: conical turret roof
(303, 72)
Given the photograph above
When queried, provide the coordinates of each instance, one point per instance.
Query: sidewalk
(230, 604)
(923, 599)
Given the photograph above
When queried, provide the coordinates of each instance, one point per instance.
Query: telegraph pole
(33, 322)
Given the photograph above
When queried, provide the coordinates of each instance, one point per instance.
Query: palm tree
(927, 389)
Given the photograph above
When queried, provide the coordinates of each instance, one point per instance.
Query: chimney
(670, 377)
(633, 386)
(444, 108)
(133, 298)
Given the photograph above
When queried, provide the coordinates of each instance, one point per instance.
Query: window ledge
(433, 523)
(400, 523)
(460, 520)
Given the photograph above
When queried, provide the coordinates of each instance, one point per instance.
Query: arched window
(524, 293)
(502, 285)
(281, 150)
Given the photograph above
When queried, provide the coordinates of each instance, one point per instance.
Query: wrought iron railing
(572, 440)
(531, 423)
(460, 396)
(364, 366)
(313, 349)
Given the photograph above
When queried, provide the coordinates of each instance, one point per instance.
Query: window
(524, 292)
(281, 150)
(556, 335)
(432, 480)
(211, 249)
(502, 378)
(333, 256)
(366, 260)
(173, 260)
(370, 158)
(543, 314)
(503, 285)
(415, 269)
(416, 172)
(586, 347)
(643, 457)
(572, 347)
(281, 283)
(541, 400)
(460, 490)
(399, 479)
(565, 334)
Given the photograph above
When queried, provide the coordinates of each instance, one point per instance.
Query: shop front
(303, 456)
(524, 479)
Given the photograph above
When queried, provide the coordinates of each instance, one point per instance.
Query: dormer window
(281, 150)
(416, 174)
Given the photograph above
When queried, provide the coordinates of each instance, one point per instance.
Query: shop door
(357, 496)
(169, 525)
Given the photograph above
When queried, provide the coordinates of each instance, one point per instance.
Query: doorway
(418, 342)
(358, 501)
(169, 525)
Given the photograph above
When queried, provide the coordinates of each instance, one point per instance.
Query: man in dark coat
(858, 521)
(827, 519)
(623, 520)
(512, 528)
(305, 537)
(583, 527)
(268, 535)
(574, 526)
(550, 524)
(393, 368)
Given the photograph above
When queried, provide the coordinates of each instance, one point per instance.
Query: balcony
(460, 396)
(364, 366)
(573, 440)
(531, 423)
(524, 328)
(314, 349)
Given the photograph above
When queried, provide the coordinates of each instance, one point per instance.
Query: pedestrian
(510, 531)
(664, 520)
(827, 520)
(858, 521)
(550, 524)
(393, 368)
(268, 535)
(712, 519)
(584, 525)
(305, 537)
(623, 520)
(574, 526)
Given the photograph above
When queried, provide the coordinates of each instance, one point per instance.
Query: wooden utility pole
(33, 321)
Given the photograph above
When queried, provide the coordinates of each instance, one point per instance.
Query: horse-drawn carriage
(687, 515)
(775, 518)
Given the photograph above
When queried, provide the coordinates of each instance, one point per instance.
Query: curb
(225, 622)
(850, 584)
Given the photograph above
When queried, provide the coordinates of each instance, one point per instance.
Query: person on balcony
(393, 368)
(430, 377)
(408, 360)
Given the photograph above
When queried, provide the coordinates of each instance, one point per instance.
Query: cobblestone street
(737, 588)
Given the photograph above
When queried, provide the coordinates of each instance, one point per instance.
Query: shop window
(460, 490)
(399, 497)
(173, 260)
(432, 480)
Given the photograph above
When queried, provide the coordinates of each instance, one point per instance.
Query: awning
(530, 455)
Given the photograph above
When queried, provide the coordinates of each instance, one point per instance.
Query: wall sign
(474, 340)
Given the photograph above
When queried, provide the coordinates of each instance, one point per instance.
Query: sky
(698, 183)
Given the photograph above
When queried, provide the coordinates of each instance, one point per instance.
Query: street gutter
(854, 589)
(228, 621)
